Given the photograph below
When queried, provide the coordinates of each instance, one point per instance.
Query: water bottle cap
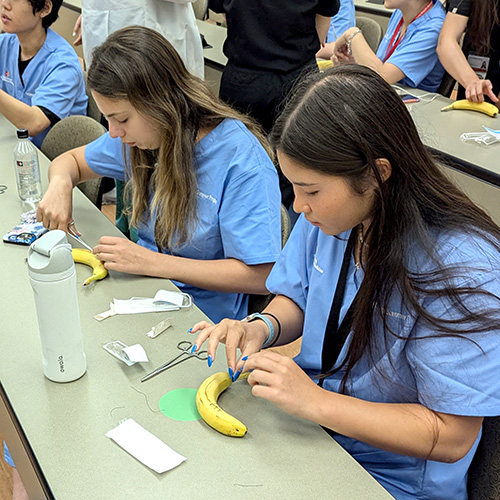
(49, 257)
(22, 133)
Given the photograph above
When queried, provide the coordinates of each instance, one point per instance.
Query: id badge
(479, 64)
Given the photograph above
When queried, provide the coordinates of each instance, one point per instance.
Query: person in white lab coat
(174, 19)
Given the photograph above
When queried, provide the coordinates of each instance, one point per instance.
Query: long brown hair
(482, 19)
(361, 120)
(140, 65)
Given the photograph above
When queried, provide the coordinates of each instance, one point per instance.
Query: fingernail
(194, 348)
(231, 373)
(236, 375)
(209, 361)
(190, 330)
(244, 359)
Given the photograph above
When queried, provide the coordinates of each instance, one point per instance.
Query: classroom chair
(92, 109)
(200, 8)
(72, 132)
(372, 31)
(484, 473)
(447, 85)
(256, 303)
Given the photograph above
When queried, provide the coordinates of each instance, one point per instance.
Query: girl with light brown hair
(205, 192)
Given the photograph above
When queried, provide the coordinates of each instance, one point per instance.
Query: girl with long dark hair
(205, 192)
(476, 67)
(392, 277)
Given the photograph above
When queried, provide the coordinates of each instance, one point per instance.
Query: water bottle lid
(49, 257)
(22, 133)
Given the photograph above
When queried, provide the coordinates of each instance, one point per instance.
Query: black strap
(335, 334)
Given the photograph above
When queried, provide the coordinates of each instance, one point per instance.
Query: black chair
(484, 474)
(447, 85)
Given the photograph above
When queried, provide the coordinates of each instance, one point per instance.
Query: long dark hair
(482, 19)
(140, 65)
(362, 119)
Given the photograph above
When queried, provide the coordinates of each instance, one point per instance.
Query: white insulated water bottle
(53, 279)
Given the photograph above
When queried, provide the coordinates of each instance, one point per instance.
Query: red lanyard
(395, 42)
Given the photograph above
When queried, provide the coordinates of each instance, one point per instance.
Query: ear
(47, 9)
(384, 168)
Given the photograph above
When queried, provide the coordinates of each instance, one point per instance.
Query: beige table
(441, 131)
(56, 431)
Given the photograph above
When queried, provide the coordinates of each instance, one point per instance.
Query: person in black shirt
(476, 68)
(269, 44)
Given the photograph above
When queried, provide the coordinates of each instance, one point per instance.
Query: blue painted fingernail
(194, 348)
(209, 361)
(190, 330)
(236, 375)
(231, 373)
(244, 359)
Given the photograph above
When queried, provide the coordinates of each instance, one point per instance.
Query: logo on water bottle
(61, 363)
(19, 163)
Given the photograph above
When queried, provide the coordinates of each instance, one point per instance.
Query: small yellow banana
(211, 412)
(483, 107)
(84, 256)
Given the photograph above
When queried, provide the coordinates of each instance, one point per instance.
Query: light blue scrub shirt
(416, 54)
(6, 455)
(342, 21)
(448, 375)
(53, 78)
(238, 207)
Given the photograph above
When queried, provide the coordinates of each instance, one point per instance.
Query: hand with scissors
(186, 349)
(65, 172)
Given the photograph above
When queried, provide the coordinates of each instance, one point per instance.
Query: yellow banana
(84, 256)
(211, 412)
(483, 107)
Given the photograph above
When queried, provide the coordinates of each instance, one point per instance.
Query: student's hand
(77, 30)
(340, 50)
(475, 91)
(326, 51)
(121, 254)
(55, 208)
(247, 337)
(280, 380)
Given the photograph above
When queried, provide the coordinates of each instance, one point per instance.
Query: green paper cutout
(180, 404)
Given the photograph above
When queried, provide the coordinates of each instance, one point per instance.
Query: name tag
(479, 65)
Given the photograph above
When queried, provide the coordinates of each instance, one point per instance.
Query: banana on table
(211, 412)
(481, 107)
(84, 256)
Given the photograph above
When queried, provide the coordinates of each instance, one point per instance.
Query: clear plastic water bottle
(29, 185)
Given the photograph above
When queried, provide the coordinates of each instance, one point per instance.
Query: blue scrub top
(416, 54)
(238, 207)
(342, 21)
(53, 78)
(449, 375)
(6, 455)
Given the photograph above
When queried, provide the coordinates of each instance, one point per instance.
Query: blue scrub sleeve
(342, 21)
(416, 55)
(6, 455)
(289, 276)
(60, 89)
(250, 217)
(459, 375)
(105, 157)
